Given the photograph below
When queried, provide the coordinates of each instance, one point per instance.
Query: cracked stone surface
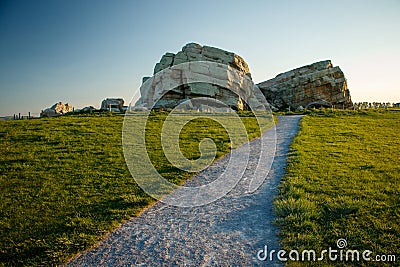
(227, 232)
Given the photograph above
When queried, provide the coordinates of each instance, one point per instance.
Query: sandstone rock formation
(316, 85)
(195, 52)
(56, 110)
(112, 104)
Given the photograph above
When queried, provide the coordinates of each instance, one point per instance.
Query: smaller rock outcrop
(316, 85)
(113, 104)
(57, 109)
(88, 109)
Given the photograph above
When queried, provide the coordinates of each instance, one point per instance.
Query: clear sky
(82, 51)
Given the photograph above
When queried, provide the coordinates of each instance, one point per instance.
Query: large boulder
(112, 104)
(195, 52)
(316, 85)
(57, 109)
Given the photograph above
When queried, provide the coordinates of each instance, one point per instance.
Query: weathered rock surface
(315, 85)
(112, 104)
(194, 52)
(57, 109)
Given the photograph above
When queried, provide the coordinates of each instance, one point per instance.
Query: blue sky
(82, 51)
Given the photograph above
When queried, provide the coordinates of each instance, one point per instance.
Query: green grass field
(64, 183)
(343, 181)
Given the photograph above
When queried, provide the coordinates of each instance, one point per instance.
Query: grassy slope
(64, 182)
(343, 182)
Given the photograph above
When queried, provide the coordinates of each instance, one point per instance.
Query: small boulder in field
(57, 109)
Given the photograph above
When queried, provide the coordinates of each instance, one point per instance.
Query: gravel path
(227, 232)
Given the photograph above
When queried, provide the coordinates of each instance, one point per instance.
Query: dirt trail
(227, 232)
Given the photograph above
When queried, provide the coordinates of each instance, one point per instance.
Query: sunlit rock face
(235, 99)
(57, 109)
(316, 85)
